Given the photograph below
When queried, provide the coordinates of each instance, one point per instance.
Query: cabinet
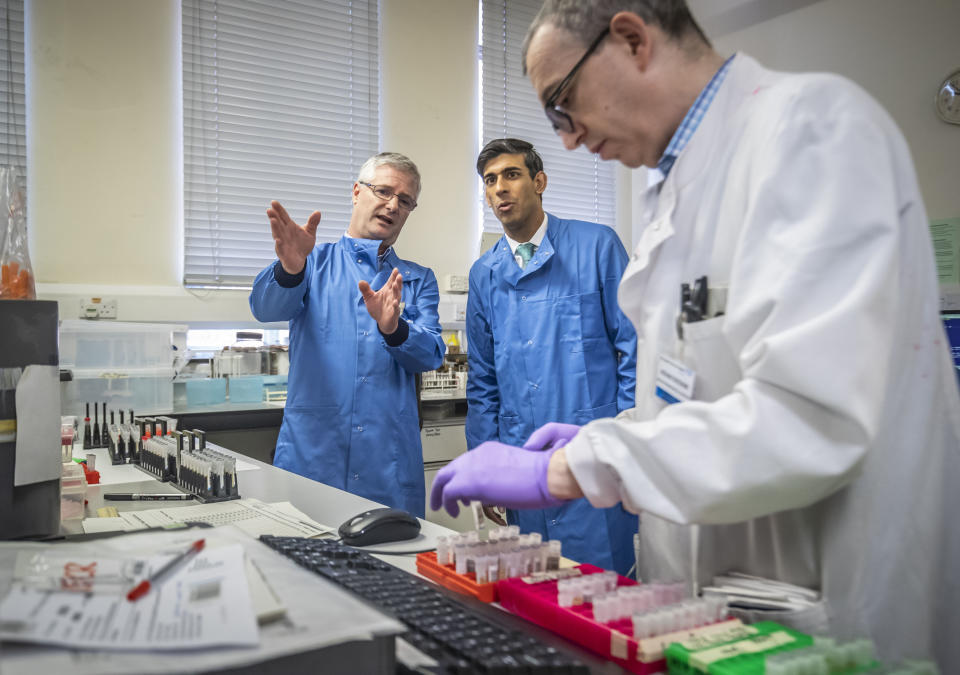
(443, 441)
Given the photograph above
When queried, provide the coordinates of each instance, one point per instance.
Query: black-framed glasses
(386, 194)
(561, 121)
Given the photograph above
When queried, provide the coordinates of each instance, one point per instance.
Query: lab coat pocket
(707, 352)
(511, 430)
(580, 320)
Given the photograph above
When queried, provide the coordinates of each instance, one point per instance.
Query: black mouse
(378, 526)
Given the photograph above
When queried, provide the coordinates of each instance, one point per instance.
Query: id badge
(675, 381)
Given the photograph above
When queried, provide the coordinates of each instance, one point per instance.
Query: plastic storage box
(206, 391)
(114, 346)
(127, 365)
(145, 390)
(73, 492)
(246, 389)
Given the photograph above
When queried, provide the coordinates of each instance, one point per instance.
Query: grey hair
(586, 19)
(395, 160)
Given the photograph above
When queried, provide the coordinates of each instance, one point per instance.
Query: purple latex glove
(495, 473)
(551, 435)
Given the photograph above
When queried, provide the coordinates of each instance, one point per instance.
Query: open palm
(384, 305)
(292, 242)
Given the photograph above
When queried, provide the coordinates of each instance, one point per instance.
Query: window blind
(280, 101)
(13, 129)
(579, 185)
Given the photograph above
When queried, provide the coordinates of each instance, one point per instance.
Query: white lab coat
(825, 393)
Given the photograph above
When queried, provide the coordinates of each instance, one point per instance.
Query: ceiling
(719, 17)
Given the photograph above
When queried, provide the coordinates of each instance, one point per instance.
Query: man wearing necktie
(547, 342)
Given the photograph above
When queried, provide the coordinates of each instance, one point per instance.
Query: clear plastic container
(73, 492)
(206, 391)
(16, 272)
(146, 390)
(116, 346)
(246, 389)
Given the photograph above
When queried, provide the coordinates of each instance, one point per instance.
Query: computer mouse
(378, 526)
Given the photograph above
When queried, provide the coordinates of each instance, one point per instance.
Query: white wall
(898, 51)
(105, 156)
(105, 209)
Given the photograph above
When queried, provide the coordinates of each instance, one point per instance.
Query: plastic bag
(16, 272)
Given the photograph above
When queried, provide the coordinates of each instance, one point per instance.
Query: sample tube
(87, 437)
(95, 441)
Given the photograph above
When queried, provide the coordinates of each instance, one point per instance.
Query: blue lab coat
(351, 415)
(549, 344)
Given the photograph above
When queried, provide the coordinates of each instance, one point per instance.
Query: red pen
(144, 586)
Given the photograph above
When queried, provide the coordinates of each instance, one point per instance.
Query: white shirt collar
(535, 239)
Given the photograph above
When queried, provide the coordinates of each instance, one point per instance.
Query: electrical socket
(108, 308)
(98, 308)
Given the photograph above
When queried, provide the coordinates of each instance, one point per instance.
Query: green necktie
(525, 251)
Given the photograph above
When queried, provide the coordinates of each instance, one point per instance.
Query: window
(280, 101)
(579, 184)
(13, 128)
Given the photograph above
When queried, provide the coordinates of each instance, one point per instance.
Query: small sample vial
(443, 548)
(478, 518)
(482, 571)
(553, 557)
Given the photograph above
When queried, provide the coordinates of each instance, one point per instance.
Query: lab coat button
(360, 260)
(356, 476)
(363, 379)
(359, 428)
(529, 342)
(553, 522)
(524, 298)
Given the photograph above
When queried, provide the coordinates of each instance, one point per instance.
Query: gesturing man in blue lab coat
(797, 415)
(363, 322)
(547, 342)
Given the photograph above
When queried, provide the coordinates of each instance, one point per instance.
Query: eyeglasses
(386, 194)
(561, 121)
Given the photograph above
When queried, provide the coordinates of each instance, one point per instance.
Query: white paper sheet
(318, 613)
(250, 515)
(38, 430)
(203, 604)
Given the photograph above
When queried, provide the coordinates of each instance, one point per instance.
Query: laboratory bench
(249, 428)
(329, 506)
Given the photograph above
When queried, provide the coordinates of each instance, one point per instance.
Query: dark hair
(586, 19)
(510, 146)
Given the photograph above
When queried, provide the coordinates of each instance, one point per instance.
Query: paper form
(250, 515)
(207, 603)
(318, 613)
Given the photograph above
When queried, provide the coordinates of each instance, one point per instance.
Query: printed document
(205, 603)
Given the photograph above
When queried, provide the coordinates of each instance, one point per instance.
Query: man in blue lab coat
(547, 342)
(363, 322)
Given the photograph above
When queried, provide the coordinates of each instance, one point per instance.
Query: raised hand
(384, 305)
(292, 242)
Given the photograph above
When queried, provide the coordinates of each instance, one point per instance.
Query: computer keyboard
(458, 637)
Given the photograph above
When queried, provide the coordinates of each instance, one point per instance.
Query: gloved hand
(551, 435)
(495, 473)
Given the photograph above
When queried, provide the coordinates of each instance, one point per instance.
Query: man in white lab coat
(797, 414)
